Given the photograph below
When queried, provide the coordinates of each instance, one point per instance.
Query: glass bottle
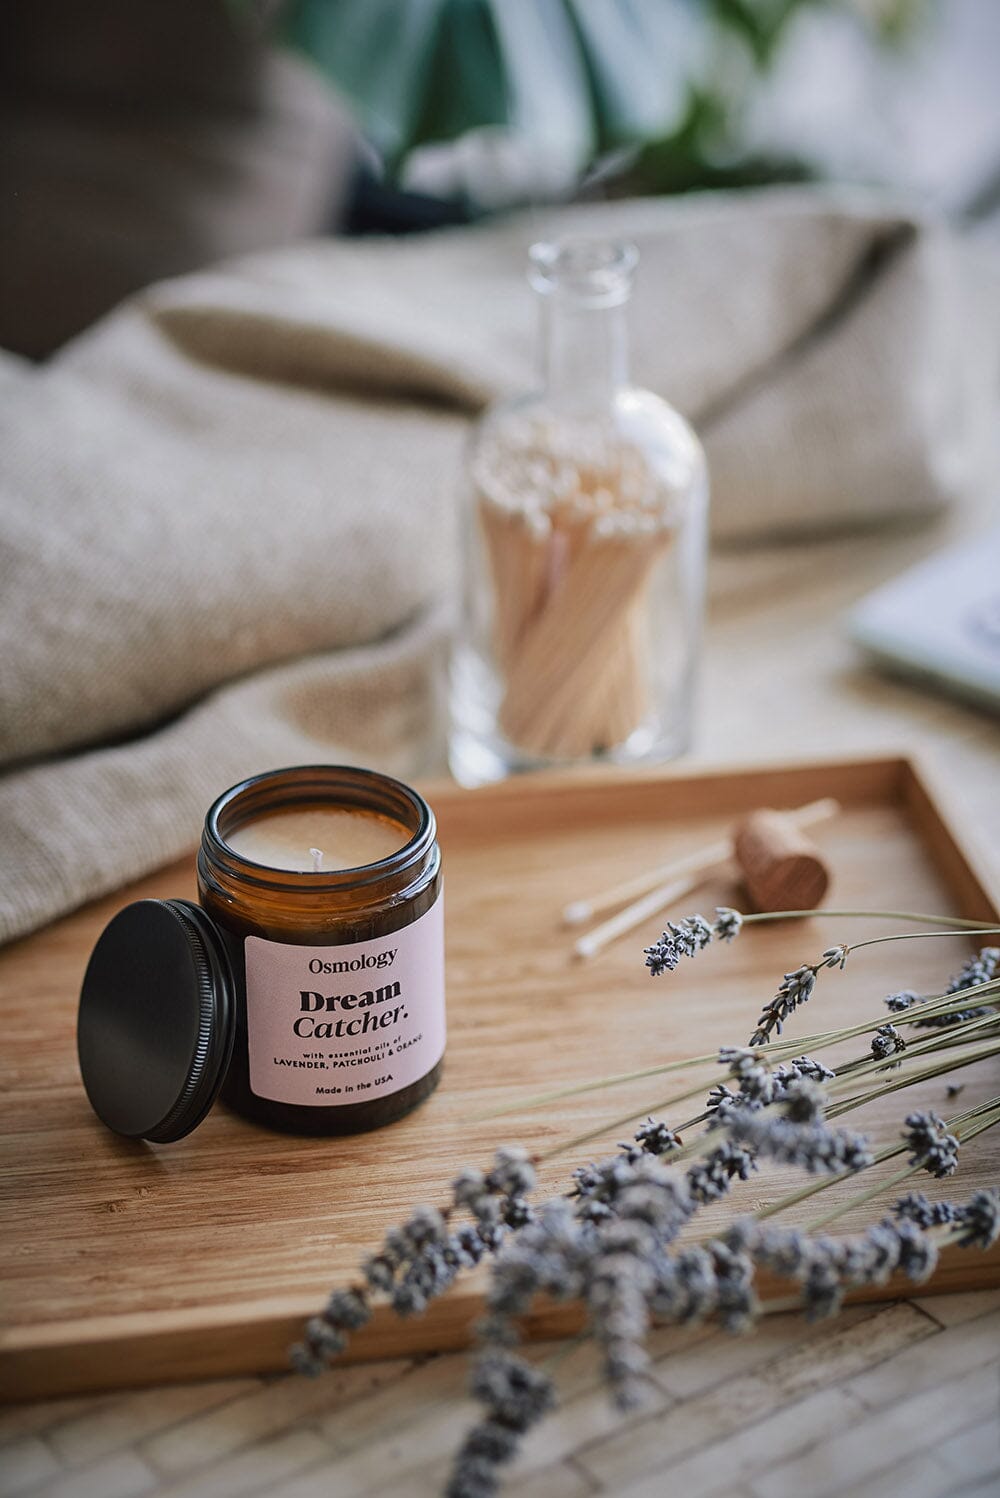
(584, 547)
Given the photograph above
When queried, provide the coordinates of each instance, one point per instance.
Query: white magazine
(940, 622)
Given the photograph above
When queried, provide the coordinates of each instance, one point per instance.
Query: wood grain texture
(127, 1263)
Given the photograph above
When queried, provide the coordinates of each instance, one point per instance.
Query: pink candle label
(334, 1025)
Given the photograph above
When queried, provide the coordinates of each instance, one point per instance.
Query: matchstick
(572, 542)
(673, 881)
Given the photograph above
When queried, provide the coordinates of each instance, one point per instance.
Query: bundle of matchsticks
(573, 534)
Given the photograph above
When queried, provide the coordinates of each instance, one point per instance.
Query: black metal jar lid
(157, 1020)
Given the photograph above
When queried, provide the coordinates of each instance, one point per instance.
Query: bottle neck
(584, 352)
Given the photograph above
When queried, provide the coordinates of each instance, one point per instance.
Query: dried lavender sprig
(691, 934)
(688, 937)
(856, 1068)
(938, 1004)
(781, 1118)
(908, 1241)
(758, 1084)
(750, 1089)
(619, 1283)
(810, 1145)
(819, 1040)
(905, 999)
(427, 1234)
(916, 1207)
(716, 1280)
(654, 1137)
(932, 1147)
(794, 990)
(641, 1187)
(978, 970)
(912, 1079)
(933, 1044)
(710, 1179)
(420, 1259)
(629, 1278)
(657, 1107)
(974, 1225)
(978, 1221)
(933, 1151)
(515, 1395)
(707, 1180)
(709, 1281)
(627, 1211)
(917, 1009)
(965, 1124)
(825, 1268)
(887, 1042)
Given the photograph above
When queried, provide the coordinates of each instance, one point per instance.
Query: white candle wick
(317, 858)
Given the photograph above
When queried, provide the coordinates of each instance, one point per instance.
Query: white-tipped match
(633, 915)
(700, 862)
(317, 858)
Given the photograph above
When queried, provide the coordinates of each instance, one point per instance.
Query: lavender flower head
(898, 1003)
(708, 1180)
(655, 1137)
(931, 1144)
(794, 990)
(516, 1396)
(980, 1219)
(887, 1042)
(983, 967)
(688, 937)
(812, 1146)
(977, 1223)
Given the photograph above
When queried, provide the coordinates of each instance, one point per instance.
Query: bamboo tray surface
(128, 1263)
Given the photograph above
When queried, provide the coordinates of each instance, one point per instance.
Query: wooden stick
(634, 915)
(517, 547)
(564, 658)
(625, 698)
(572, 532)
(578, 912)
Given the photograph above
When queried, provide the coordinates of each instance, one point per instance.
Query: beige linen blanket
(227, 511)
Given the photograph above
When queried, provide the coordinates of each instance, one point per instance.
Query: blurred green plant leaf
(574, 80)
(419, 71)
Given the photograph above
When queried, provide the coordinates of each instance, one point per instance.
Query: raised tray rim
(83, 1354)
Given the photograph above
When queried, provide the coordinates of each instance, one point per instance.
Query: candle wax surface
(346, 839)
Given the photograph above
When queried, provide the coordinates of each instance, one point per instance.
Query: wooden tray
(124, 1263)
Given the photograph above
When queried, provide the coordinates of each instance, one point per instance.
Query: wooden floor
(901, 1399)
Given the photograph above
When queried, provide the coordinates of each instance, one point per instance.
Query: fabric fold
(228, 511)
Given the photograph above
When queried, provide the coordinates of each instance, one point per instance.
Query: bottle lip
(340, 785)
(592, 272)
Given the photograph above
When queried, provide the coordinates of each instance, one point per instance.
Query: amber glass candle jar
(308, 987)
(339, 971)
